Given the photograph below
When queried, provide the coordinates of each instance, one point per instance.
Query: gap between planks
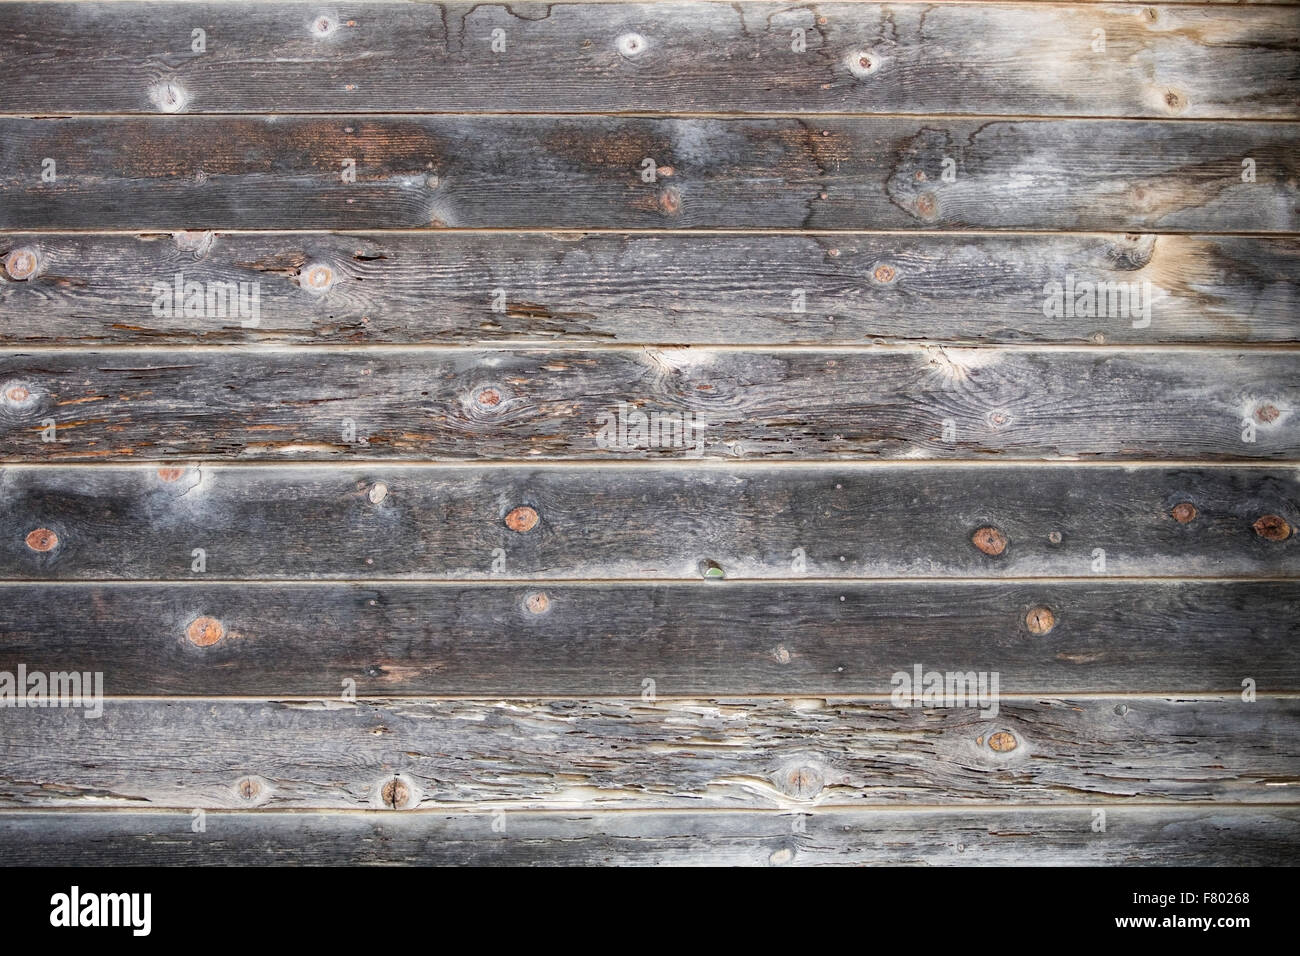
(576, 231)
(632, 232)
(583, 464)
(1138, 695)
(827, 464)
(665, 582)
(1238, 4)
(542, 345)
(808, 809)
(667, 114)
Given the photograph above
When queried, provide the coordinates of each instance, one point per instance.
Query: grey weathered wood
(714, 57)
(461, 404)
(706, 713)
(704, 638)
(659, 289)
(201, 172)
(1279, 3)
(654, 521)
(1151, 836)
(571, 754)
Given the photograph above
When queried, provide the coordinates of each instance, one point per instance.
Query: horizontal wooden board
(199, 172)
(465, 288)
(1278, 3)
(704, 638)
(664, 57)
(647, 754)
(654, 521)
(1151, 836)
(462, 404)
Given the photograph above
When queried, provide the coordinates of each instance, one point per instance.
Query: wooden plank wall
(540, 433)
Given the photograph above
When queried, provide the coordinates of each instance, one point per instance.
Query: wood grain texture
(654, 521)
(660, 289)
(705, 638)
(435, 615)
(1181, 3)
(1164, 836)
(1158, 61)
(566, 754)
(462, 404)
(196, 172)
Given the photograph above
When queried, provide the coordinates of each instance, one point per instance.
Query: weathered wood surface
(704, 638)
(200, 172)
(654, 289)
(638, 754)
(1150, 836)
(805, 231)
(463, 404)
(1236, 3)
(653, 521)
(990, 59)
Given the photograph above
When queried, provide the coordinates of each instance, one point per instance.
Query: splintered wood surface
(631, 754)
(650, 433)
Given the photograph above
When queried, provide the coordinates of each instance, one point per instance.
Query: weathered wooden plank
(1150, 836)
(986, 58)
(1238, 3)
(657, 289)
(705, 638)
(200, 172)
(1280, 3)
(462, 404)
(647, 754)
(655, 521)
